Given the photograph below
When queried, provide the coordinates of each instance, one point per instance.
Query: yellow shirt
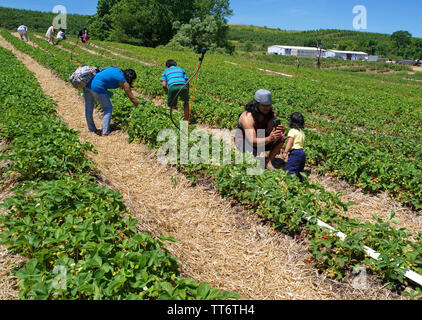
(299, 138)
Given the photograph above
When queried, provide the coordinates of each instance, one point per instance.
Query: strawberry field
(60, 219)
(364, 129)
(371, 139)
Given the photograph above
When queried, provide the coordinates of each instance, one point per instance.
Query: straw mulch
(8, 284)
(365, 205)
(8, 261)
(216, 242)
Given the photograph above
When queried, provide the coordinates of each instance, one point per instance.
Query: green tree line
(178, 23)
(185, 23)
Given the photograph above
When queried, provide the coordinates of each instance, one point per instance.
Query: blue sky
(384, 16)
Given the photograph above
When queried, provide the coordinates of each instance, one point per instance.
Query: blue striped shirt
(174, 75)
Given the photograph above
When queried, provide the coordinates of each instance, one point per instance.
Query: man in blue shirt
(97, 90)
(177, 81)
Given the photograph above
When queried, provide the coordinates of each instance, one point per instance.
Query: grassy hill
(259, 38)
(331, 37)
(39, 21)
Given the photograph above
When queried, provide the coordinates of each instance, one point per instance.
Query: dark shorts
(296, 163)
(173, 90)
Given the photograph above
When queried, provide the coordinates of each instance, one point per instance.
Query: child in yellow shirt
(294, 154)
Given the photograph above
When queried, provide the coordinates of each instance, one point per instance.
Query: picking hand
(281, 128)
(276, 135)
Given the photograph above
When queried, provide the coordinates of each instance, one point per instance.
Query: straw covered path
(216, 242)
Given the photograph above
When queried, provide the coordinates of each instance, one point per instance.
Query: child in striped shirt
(175, 84)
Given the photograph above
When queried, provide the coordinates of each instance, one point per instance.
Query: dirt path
(112, 52)
(8, 261)
(216, 242)
(277, 73)
(70, 51)
(35, 44)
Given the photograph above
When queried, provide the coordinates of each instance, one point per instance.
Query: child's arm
(288, 148)
(164, 83)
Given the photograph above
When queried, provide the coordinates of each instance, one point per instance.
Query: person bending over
(175, 84)
(23, 32)
(97, 90)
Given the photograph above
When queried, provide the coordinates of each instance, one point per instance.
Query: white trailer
(350, 55)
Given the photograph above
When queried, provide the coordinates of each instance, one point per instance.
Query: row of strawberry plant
(286, 202)
(377, 140)
(285, 206)
(295, 96)
(80, 240)
(304, 70)
(361, 165)
(374, 107)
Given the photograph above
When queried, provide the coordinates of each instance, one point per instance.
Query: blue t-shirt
(106, 79)
(174, 75)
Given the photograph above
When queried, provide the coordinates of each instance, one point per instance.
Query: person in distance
(259, 115)
(175, 84)
(294, 154)
(85, 36)
(61, 35)
(97, 90)
(23, 32)
(50, 34)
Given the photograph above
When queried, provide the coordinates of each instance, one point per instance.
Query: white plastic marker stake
(415, 277)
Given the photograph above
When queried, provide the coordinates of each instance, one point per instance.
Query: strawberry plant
(80, 240)
(291, 206)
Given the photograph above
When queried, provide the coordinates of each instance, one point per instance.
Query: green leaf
(167, 287)
(31, 265)
(214, 294)
(203, 290)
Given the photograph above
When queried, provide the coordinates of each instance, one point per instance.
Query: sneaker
(112, 133)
